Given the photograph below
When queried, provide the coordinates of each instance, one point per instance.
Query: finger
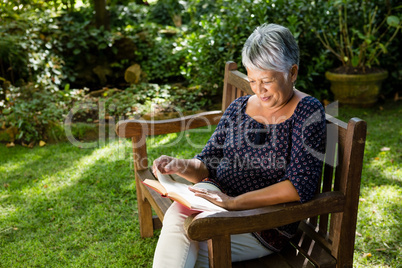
(168, 167)
(172, 166)
(160, 163)
(199, 191)
(194, 189)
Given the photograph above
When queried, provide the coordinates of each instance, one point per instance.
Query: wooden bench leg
(219, 252)
(144, 213)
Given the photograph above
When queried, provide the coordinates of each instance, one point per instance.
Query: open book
(179, 192)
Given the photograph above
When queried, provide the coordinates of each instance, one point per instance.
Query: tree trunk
(101, 14)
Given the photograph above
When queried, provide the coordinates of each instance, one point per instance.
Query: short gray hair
(271, 47)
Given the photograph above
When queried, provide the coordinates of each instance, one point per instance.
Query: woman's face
(271, 87)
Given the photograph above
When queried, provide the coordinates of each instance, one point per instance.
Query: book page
(156, 185)
(197, 203)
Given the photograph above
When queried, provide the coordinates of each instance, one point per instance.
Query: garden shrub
(30, 108)
(218, 30)
(46, 50)
(133, 40)
(223, 27)
(166, 12)
(25, 53)
(159, 53)
(13, 56)
(38, 112)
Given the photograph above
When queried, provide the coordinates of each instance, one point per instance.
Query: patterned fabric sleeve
(212, 153)
(308, 148)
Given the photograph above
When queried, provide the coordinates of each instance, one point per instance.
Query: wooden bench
(326, 233)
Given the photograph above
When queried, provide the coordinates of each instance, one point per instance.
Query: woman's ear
(293, 72)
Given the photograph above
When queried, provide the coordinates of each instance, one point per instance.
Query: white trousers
(175, 249)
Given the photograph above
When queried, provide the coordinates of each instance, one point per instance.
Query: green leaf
(383, 48)
(359, 34)
(76, 51)
(70, 45)
(393, 21)
(355, 61)
(102, 46)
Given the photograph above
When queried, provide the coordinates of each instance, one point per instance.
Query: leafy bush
(25, 54)
(160, 52)
(224, 27)
(12, 53)
(46, 47)
(84, 47)
(30, 108)
(133, 40)
(166, 12)
(137, 100)
(127, 15)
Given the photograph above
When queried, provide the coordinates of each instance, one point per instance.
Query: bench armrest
(205, 226)
(131, 128)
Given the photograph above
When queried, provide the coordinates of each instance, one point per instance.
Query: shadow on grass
(64, 206)
(21, 166)
(79, 210)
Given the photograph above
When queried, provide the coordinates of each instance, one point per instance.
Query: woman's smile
(265, 98)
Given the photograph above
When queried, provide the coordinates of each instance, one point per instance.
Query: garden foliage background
(54, 53)
(63, 206)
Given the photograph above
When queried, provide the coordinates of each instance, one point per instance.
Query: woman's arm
(281, 192)
(192, 170)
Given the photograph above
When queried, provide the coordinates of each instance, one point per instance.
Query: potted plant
(358, 80)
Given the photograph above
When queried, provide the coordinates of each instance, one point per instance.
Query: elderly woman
(263, 152)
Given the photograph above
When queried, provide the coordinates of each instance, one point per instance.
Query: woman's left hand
(216, 197)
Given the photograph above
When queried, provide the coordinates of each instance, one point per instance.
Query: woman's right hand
(166, 165)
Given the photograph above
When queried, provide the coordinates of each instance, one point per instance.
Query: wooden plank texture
(271, 261)
(309, 247)
(236, 222)
(240, 81)
(131, 128)
(219, 252)
(228, 89)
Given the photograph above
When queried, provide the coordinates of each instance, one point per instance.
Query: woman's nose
(261, 88)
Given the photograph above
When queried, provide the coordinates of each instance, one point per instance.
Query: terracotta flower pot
(360, 90)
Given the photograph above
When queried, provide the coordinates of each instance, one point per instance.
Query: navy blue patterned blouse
(244, 155)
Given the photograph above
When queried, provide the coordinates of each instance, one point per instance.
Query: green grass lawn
(379, 227)
(62, 206)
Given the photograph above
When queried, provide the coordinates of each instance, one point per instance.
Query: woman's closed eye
(263, 82)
